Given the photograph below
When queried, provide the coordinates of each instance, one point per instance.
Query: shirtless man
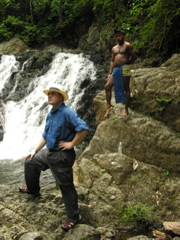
(119, 75)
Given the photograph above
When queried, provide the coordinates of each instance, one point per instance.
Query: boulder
(15, 45)
(155, 92)
(143, 138)
(172, 226)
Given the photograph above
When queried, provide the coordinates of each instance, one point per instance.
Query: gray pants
(60, 164)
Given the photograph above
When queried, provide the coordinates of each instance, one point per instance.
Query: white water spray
(24, 120)
(8, 64)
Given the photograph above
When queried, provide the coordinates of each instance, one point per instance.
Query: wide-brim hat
(57, 88)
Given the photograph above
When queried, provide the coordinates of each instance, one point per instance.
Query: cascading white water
(8, 64)
(24, 120)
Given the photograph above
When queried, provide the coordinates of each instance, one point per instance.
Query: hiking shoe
(25, 190)
(69, 224)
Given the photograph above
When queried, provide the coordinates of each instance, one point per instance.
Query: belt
(53, 150)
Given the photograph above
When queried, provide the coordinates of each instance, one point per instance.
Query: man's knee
(27, 162)
(107, 87)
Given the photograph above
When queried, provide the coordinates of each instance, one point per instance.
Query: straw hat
(57, 88)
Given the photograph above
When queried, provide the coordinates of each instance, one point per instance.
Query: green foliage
(10, 27)
(163, 103)
(152, 25)
(69, 12)
(36, 21)
(138, 213)
(153, 21)
(163, 100)
(5, 34)
(30, 34)
(107, 11)
(161, 109)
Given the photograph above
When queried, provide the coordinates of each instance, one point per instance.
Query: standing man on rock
(63, 131)
(119, 75)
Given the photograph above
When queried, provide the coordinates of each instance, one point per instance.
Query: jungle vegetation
(152, 25)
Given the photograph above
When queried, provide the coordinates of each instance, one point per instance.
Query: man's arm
(38, 147)
(111, 67)
(111, 63)
(76, 140)
(132, 54)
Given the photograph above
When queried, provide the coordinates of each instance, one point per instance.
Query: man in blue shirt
(63, 131)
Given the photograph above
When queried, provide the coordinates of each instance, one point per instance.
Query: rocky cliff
(145, 177)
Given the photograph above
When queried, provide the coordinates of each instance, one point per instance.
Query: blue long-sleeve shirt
(62, 124)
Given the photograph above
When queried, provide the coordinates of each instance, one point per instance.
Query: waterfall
(23, 121)
(8, 64)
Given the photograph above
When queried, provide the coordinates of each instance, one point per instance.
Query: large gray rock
(143, 138)
(156, 92)
(15, 45)
(112, 180)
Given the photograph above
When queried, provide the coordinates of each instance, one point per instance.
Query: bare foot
(108, 111)
(124, 113)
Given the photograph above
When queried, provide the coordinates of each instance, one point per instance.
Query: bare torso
(121, 54)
